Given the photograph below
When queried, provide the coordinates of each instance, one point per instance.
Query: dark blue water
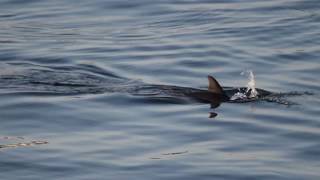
(75, 133)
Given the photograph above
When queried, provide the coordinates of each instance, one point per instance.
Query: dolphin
(214, 94)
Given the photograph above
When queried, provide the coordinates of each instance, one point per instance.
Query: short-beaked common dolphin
(214, 94)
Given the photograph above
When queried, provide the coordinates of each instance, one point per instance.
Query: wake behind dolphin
(64, 81)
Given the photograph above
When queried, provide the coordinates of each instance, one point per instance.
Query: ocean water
(86, 134)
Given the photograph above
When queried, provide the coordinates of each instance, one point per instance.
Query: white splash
(250, 87)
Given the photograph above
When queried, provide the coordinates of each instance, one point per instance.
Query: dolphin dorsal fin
(214, 86)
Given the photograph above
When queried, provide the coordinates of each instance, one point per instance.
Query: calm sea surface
(175, 42)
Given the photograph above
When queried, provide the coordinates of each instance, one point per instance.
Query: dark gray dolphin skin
(214, 94)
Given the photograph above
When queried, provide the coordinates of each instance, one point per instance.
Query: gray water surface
(117, 135)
